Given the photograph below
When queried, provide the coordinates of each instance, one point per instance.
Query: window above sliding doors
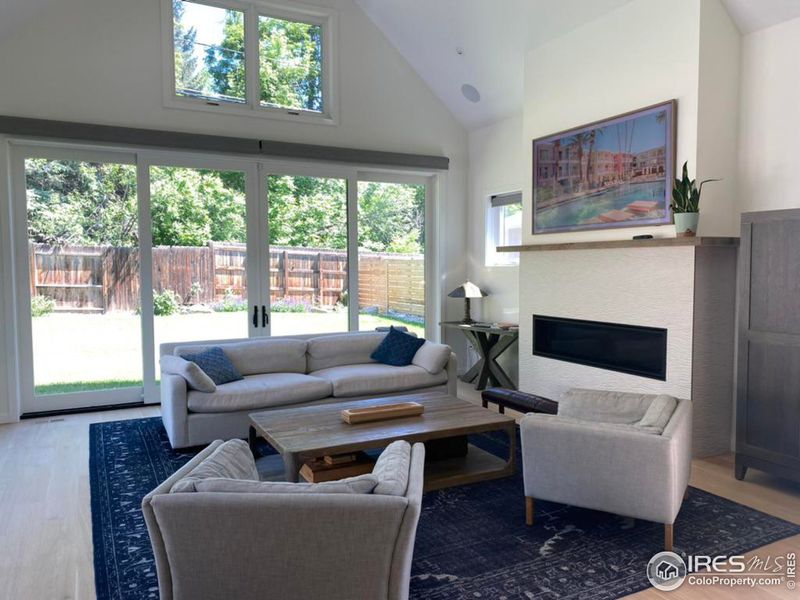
(253, 58)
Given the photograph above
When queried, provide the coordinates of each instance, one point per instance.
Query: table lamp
(466, 291)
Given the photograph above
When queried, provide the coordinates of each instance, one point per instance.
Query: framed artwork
(617, 172)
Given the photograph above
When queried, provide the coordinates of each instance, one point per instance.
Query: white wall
(495, 159)
(640, 54)
(100, 61)
(770, 120)
(718, 120)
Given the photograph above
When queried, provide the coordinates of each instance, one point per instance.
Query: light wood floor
(45, 519)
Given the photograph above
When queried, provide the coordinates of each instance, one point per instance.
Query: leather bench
(519, 401)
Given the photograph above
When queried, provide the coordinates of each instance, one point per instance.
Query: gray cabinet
(768, 348)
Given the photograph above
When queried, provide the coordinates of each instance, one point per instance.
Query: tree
(191, 207)
(188, 76)
(225, 63)
(290, 56)
(71, 202)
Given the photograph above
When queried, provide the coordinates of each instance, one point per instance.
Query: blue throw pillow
(216, 365)
(397, 348)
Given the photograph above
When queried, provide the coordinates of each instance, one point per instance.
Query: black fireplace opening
(614, 346)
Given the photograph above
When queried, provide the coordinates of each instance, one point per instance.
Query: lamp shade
(467, 290)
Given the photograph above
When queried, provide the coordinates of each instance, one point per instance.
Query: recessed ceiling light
(471, 93)
(459, 51)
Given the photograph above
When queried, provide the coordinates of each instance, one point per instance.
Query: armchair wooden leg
(668, 537)
(686, 493)
(528, 511)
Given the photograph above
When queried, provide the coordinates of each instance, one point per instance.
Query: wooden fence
(103, 278)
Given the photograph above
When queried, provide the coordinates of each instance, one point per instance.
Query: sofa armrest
(175, 409)
(452, 374)
(602, 466)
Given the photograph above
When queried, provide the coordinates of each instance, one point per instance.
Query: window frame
(253, 10)
(492, 258)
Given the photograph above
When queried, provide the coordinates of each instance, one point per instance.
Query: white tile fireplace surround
(688, 290)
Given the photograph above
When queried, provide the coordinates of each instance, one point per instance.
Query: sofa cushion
(377, 378)
(659, 413)
(363, 484)
(253, 357)
(602, 406)
(215, 364)
(342, 349)
(397, 348)
(231, 460)
(432, 357)
(195, 378)
(391, 469)
(260, 391)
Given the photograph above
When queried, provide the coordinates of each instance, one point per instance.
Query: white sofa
(289, 371)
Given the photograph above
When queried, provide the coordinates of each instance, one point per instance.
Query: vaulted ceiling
(481, 43)
(494, 36)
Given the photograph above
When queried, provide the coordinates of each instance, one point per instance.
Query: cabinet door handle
(255, 316)
(264, 316)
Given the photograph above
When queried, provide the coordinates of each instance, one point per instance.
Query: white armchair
(628, 454)
(224, 534)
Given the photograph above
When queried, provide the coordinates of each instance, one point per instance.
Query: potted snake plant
(686, 203)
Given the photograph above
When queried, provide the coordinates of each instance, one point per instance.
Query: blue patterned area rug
(471, 542)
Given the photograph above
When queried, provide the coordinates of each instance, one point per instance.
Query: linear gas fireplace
(614, 346)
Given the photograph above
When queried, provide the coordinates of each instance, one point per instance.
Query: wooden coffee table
(303, 434)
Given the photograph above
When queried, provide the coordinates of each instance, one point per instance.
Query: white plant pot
(686, 224)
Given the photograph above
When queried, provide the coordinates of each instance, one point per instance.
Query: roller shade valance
(89, 132)
(506, 199)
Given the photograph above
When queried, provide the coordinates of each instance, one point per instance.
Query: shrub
(165, 303)
(42, 305)
(230, 303)
(289, 306)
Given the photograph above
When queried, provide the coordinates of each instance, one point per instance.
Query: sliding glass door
(308, 254)
(116, 253)
(391, 253)
(80, 262)
(198, 222)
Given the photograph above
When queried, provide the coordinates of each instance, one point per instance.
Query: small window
(209, 52)
(503, 228)
(250, 58)
(290, 56)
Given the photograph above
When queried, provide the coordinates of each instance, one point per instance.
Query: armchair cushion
(432, 357)
(659, 413)
(195, 377)
(363, 484)
(391, 469)
(601, 406)
(232, 460)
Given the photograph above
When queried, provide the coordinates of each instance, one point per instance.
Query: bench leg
(501, 409)
(528, 511)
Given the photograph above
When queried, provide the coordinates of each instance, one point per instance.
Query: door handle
(255, 316)
(264, 316)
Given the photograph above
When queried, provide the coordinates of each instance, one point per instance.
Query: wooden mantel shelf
(601, 245)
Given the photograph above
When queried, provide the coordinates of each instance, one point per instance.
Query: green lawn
(78, 352)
